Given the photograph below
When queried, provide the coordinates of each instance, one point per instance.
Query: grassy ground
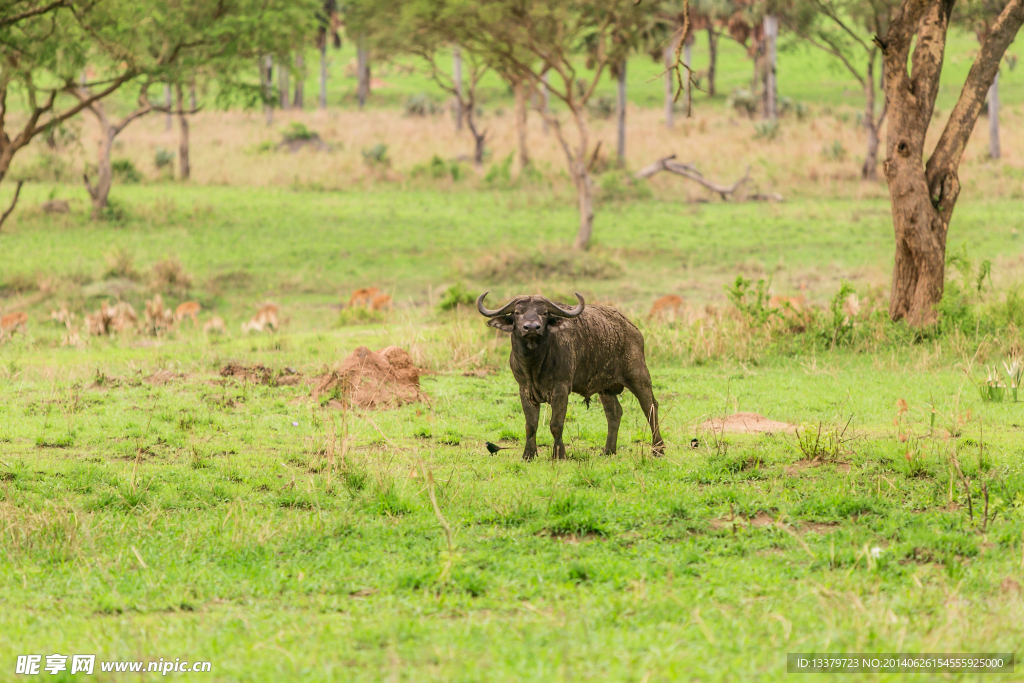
(151, 508)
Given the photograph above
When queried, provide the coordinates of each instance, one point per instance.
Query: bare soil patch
(747, 423)
(372, 379)
(261, 374)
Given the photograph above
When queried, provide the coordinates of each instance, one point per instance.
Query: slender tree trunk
(669, 56)
(993, 119)
(323, 75)
(363, 72)
(283, 86)
(584, 186)
(183, 165)
(713, 60)
(268, 87)
(620, 110)
(771, 33)
(545, 95)
(688, 61)
(100, 191)
(479, 137)
(522, 95)
(192, 95)
(457, 78)
(300, 82)
(169, 121)
(869, 171)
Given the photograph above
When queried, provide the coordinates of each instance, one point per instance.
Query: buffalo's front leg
(559, 404)
(613, 413)
(532, 412)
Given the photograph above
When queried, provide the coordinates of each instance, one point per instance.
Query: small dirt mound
(372, 379)
(747, 423)
(165, 377)
(258, 374)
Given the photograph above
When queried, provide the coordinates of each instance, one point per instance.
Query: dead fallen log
(690, 171)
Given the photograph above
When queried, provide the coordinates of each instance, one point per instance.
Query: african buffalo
(585, 350)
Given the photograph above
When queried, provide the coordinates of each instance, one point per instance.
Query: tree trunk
(688, 61)
(457, 80)
(669, 55)
(479, 138)
(620, 111)
(363, 74)
(169, 121)
(323, 75)
(99, 192)
(869, 171)
(185, 170)
(993, 119)
(713, 60)
(545, 104)
(584, 186)
(192, 95)
(283, 87)
(300, 82)
(522, 95)
(268, 87)
(771, 33)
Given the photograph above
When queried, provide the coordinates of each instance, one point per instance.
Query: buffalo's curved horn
(574, 312)
(488, 312)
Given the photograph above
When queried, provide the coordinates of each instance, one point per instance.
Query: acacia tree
(173, 44)
(44, 47)
(843, 29)
(923, 194)
(537, 38)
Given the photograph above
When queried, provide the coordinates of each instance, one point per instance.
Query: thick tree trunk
(771, 33)
(522, 95)
(300, 82)
(283, 87)
(169, 121)
(869, 171)
(268, 87)
(620, 112)
(713, 60)
(457, 80)
(183, 164)
(363, 71)
(669, 56)
(993, 119)
(323, 75)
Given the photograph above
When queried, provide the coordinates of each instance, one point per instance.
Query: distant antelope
(215, 325)
(266, 316)
(668, 306)
(381, 302)
(797, 303)
(13, 322)
(364, 297)
(189, 309)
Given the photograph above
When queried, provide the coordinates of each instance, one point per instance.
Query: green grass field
(150, 507)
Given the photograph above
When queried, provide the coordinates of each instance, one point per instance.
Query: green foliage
(620, 185)
(163, 159)
(752, 302)
(421, 104)
(437, 169)
(455, 296)
(834, 152)
(840, 329)
(124, 170)
(376, 157)
(500, 173)
(766, 130)
(601, 107)
(745, 102)
(298, 132)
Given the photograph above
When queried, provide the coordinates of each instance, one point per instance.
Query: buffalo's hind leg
(613, 413)
(559, 406)
(531, 411)
(644, 393)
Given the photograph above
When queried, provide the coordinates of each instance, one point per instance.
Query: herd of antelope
(113, 318)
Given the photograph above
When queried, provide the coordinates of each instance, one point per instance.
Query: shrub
(125, 171)
(163, 159)
(120, 264)
(744, 102)
(170, 276)
(834, 152)
(619, 185)
(376, 157)
(421, 104)
(297, 131)
(601, 107)
(751, 302)
(766, 130)
(527, 266)
(455, 296)
(500, 174)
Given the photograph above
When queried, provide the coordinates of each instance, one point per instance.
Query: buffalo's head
(530, 317)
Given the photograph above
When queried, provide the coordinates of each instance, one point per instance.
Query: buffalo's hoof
(529, 455)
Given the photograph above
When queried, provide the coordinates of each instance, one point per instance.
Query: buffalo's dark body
(597, 352)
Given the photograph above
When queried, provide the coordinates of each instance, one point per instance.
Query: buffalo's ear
(556, 324)
(503, 323)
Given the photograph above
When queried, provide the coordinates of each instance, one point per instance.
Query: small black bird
(493, 448)
(694, 443)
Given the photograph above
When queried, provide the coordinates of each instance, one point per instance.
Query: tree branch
(17, 191)
(690, 171)
(27, 14)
